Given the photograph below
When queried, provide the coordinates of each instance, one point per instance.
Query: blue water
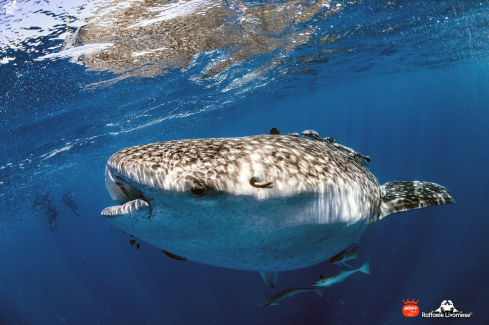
(413, 98)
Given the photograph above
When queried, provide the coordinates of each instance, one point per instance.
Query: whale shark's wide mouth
(135, 207)
(131, 199)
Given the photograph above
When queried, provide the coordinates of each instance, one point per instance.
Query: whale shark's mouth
(131, 199)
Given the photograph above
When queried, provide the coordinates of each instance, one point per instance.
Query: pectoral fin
(405, 196)
(270, 278)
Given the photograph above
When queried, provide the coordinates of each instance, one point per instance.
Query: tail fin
(319, 291)
(365, 268)
(404, 196)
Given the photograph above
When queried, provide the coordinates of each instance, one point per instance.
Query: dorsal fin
(292, 287)
(404, 196)
(321, 276)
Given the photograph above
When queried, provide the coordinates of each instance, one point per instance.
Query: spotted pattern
(202, 205)
(293, 165)
(405, 196)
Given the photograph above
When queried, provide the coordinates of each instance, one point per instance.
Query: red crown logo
(410, 302)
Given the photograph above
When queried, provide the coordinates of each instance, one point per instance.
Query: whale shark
(264, 203)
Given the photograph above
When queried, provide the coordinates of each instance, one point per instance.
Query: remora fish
(340, 276)
(273, 300)
(260, 203)
(346, 255)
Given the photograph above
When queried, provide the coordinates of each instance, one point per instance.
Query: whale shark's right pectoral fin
(405, 196)
(270, 278)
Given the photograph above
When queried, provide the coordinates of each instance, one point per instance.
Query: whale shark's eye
(198, 189)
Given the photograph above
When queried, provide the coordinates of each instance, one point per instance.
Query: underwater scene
(244, 162)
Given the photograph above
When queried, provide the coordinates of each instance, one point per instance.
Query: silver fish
(263, 203)
(346, 255)
(274, 300)
(340, 277)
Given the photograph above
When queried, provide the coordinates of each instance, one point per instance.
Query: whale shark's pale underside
(263, 203)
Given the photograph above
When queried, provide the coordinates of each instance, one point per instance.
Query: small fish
(132, 241)
(175, 257)
(273, 300)
(131, 236)
(22, 305)
(394, 249)
(46, 291)
(346, 255)
(340, 276)
(61, 318)
(138, 246)
(100, 320)
(342, 302)
(108, 310)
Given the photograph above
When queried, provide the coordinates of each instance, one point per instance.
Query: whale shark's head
(264, 166)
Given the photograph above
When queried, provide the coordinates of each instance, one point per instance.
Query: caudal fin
(365, 268)
(319, 291)
(405, 196)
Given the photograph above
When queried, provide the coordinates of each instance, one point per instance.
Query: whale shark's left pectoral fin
(270, 278)
(404, 196)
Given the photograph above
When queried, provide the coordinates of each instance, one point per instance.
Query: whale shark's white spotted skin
(263, 203)
(405, 196)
